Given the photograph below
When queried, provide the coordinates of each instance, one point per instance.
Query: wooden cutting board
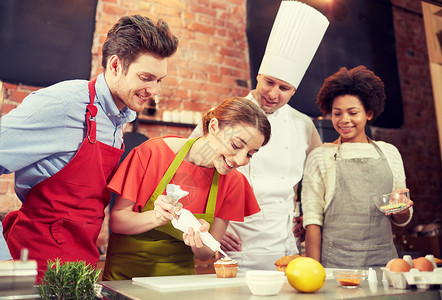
(188, 282)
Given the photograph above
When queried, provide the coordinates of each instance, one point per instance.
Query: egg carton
(413, 278)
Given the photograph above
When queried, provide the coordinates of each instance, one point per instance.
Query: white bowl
(265, 283)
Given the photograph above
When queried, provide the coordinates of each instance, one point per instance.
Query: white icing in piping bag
(186, 219)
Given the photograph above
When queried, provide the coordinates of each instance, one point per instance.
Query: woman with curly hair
(343, 226)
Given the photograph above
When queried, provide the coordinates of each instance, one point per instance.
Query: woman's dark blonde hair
(237, 111)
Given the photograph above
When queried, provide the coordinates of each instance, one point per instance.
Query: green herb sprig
(71, 280)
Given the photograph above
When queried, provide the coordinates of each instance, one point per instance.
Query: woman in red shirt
(143, 243)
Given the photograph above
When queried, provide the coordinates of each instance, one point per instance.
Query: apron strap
(381, 154)
(209, 214)
(211, 202)
(91, 114)
(167, 177)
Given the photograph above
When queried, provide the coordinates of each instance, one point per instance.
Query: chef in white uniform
(275, 171)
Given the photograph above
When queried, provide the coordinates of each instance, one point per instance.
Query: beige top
(318, 184)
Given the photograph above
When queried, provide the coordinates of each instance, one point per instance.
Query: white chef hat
(296, 34)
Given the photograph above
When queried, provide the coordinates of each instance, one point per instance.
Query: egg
(399, 265)
(389, 263)
(423, 264)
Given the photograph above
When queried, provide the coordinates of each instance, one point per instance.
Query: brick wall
(212, 58)
(417, 139)
(212, 64)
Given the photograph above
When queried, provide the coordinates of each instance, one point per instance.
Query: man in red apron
(61, 170)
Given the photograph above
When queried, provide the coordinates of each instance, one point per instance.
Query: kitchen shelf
(159, 122)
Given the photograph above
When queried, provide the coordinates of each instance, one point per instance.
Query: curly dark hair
(134, 35)
(359, 82)
(237, 110)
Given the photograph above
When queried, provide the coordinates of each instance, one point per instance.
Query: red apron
(62, 215)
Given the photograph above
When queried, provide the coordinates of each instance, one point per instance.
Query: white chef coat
(274, 173)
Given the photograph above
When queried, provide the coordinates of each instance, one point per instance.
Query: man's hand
(299, 230)
(230, 242)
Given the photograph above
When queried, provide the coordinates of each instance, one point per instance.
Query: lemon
(305, 274)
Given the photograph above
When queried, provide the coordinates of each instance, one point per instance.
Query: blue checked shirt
(40, 136)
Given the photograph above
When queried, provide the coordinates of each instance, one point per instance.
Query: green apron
(161, 251)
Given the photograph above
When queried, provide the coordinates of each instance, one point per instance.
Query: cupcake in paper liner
(226, 267)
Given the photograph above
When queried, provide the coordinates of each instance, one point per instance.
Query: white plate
(188, 282)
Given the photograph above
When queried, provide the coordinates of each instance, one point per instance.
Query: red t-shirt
(141, 171)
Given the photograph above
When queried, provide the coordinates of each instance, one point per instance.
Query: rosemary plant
(71, 280)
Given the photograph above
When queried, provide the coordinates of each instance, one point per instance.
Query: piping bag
(185, 219)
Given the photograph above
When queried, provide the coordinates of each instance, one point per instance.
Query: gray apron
(355, 233)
